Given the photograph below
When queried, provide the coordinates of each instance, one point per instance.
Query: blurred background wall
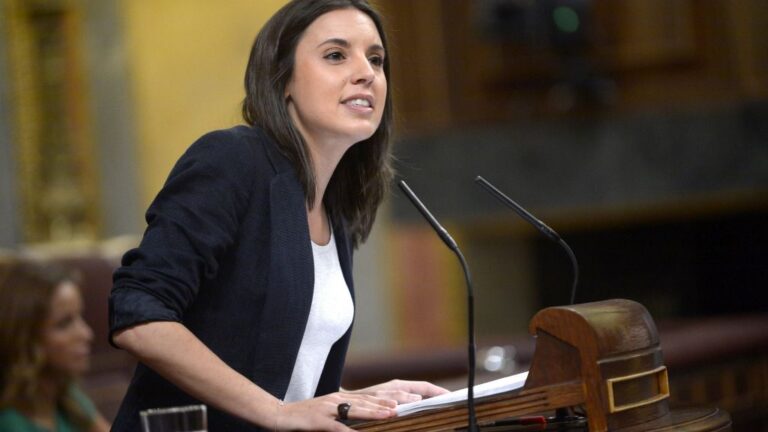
(637, 129)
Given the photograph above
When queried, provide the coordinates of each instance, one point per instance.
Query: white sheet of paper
(501, 385)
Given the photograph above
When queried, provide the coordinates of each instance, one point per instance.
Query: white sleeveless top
(329, 319)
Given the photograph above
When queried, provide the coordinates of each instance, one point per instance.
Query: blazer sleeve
(191, 222)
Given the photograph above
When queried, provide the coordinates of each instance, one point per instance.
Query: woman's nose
(363, 72)
(85, 330)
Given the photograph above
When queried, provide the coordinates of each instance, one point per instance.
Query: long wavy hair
(26, 292)
(363, 176)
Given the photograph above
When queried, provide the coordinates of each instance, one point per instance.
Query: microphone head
(441, 232)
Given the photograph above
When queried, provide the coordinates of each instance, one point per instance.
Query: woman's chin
(82, 366)
(75, 368)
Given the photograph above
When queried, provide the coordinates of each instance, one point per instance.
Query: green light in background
(566, 19)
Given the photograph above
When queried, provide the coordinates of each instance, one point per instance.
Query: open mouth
(359, 102)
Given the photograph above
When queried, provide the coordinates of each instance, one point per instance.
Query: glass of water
(191, 418)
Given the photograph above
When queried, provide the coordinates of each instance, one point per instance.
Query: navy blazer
(227, 253)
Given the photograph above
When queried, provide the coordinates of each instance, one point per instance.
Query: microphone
(539, 225)
(448, 240)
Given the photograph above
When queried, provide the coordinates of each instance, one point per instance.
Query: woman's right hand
(175, 353)
(320, 414)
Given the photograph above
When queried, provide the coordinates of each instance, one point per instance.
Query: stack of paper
(501, 385)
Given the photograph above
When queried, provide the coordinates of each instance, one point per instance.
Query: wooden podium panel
(603, 357)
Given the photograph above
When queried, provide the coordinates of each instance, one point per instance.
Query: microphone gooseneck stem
(574, 265)
(471, 349)
(448, 240)
(539, 225)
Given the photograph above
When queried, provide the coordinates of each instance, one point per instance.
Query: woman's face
(66, 336)
(338, 88)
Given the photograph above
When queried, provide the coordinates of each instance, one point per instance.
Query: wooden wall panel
(420, 68)
(642, 54)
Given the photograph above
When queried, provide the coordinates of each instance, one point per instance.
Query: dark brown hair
(363, 175)
(26, 292)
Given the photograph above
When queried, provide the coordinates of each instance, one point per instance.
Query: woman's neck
(44, 413)
(325, 159)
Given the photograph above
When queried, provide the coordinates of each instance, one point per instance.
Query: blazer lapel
(291, 275)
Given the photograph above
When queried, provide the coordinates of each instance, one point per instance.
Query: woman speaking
(240, 294)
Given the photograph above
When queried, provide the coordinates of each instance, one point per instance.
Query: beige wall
(187, 60)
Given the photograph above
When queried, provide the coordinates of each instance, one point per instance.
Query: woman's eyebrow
(345, 44)
(376, 47)
(335, 41)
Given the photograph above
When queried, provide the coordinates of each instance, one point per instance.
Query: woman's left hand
(402, 391)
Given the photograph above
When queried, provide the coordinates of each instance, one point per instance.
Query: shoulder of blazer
(271, 149)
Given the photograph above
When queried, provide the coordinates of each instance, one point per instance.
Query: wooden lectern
(603, 357)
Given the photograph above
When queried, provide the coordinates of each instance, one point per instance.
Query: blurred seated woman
(44, 347)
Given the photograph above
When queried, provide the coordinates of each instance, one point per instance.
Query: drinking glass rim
(171, 410)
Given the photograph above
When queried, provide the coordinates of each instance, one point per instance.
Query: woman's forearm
(171, 350)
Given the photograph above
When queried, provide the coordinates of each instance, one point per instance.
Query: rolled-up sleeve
(190, 224)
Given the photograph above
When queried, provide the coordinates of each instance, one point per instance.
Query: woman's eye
(64, 322)
(376, 60)
(335, 56)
